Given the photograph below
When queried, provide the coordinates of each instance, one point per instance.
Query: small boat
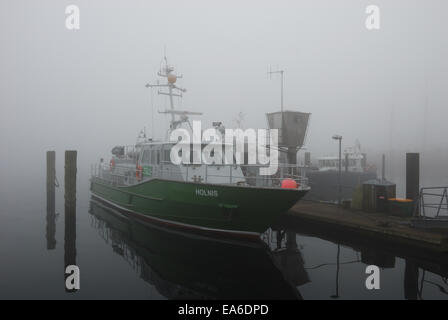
(324, 178)
(230, 200)
(353, 160)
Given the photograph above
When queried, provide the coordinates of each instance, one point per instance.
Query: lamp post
(338, 137)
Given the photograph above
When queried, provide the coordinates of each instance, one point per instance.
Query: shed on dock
(375, 194)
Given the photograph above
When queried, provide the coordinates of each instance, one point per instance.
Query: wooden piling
(70, 210)
(51, 213)
(413, 177)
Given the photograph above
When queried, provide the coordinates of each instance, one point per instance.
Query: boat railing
(233, 174)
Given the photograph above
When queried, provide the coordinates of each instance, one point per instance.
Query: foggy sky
(84, 89)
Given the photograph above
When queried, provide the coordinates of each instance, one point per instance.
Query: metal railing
(242, 175)
(433, 201)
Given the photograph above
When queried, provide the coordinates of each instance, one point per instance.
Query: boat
(324, 178)
(229, 200)
(181, 265)
(353, 160)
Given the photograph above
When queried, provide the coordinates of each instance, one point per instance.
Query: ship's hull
(207, 208)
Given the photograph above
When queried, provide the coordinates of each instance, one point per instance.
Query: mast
(167, 72)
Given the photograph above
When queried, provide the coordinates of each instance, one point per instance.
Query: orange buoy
(139, 172)
(289, 184)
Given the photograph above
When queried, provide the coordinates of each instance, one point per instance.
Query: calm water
(119, 258)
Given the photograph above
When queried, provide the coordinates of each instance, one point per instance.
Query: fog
(85, 89)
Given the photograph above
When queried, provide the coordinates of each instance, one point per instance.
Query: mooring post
(70, 210)
(413, 178)
(51, 212)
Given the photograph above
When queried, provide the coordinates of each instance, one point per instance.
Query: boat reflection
(185, 266)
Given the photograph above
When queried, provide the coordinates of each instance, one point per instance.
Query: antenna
(281, 72)
(239, 120)
(167, 72)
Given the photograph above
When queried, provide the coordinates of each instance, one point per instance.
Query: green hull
(185, 266)
(246, 211)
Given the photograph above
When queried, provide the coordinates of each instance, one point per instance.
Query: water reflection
(289, 259)
(418, 271)
(411, 287)
(183, 266)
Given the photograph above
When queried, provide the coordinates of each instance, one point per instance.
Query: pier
(335, 222)
(375, 221)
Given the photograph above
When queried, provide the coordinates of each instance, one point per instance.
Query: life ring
(139, 172)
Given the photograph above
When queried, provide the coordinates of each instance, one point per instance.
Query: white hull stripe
(185, 225)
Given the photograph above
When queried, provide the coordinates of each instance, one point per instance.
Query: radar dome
(172, 78)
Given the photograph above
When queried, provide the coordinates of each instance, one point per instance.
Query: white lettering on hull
(207, 193)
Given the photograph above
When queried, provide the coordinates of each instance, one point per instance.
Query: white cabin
(156, 162)
(353, 162)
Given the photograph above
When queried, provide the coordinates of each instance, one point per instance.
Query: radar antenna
(167, 71)
(282, 73)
